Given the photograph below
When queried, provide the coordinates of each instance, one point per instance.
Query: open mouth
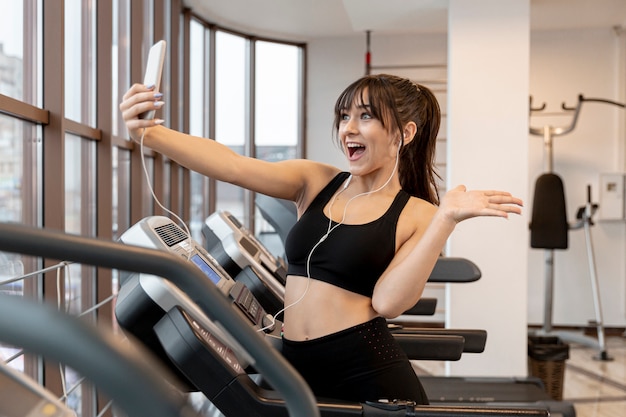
(355, 149)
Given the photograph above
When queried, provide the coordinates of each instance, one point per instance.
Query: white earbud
(347, 182)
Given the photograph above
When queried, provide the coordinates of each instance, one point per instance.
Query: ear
(408, 133)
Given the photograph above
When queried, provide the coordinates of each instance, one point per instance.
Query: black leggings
(361, 363)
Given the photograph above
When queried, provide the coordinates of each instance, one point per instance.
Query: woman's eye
(344, 116)
(366, 116)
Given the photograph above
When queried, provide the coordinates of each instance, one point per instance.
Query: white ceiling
(301, 20)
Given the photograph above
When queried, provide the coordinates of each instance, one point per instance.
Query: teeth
(352, 147)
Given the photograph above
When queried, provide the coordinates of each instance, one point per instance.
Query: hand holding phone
(154, 69)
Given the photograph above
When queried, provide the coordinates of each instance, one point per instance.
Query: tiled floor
(596, 388)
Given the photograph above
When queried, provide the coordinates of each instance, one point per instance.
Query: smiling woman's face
(367, 144)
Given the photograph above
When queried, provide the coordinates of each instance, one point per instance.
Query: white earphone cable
(145, 170)
(330, 229)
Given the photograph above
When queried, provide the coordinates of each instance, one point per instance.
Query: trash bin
(546, 361)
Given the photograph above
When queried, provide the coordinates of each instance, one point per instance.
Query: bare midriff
(324, 309)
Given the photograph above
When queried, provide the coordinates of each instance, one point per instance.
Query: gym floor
(596, 388)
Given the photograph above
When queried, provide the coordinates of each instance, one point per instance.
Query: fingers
(135, 89)
(504, 210)
(461, 204)
(494, 196)
(137, 100)
(501, 197)
(503, 203)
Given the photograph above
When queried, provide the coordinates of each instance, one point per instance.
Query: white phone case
(154, 69)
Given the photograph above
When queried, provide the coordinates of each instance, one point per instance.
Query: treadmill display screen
(208, 271)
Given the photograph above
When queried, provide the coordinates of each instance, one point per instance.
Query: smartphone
(154, 69)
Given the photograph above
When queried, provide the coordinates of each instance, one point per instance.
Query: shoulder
(419, 212)
(314, 176)
(415, 218)
(421, 204)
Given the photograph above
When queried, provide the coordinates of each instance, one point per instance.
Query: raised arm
(402, 284)
(285, 179)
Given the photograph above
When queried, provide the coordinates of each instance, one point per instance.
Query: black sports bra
(353, 257)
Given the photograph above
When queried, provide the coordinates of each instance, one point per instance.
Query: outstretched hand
(458, 204)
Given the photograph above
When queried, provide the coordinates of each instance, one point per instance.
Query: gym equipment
(298, 398)
(240, 395)
(549, 228)
(280, 214)
(177, 326)
(143, 299)
(244, 258)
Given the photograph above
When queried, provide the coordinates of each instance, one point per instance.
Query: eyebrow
(359, 106)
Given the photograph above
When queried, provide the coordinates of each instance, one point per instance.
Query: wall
(487, 126)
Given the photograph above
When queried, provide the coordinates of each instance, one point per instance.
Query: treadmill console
(159, 232)
(211, 342)
(246, 259)
(222, 227)
(276, 265)
(144, 299)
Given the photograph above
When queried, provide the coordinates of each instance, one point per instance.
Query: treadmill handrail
(19, 238)
(126, 375)
(454, 270)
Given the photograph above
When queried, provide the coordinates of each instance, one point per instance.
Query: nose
(350, 127)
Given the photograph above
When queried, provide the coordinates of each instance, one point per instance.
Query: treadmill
(143, 299)
(245, 258)
(217, 365)
(138, 383)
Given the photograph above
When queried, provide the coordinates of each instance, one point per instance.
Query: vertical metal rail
(595, 286)
(368, 53)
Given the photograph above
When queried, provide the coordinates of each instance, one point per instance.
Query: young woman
(366, 240)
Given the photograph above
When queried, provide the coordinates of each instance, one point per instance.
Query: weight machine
(549, 226)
